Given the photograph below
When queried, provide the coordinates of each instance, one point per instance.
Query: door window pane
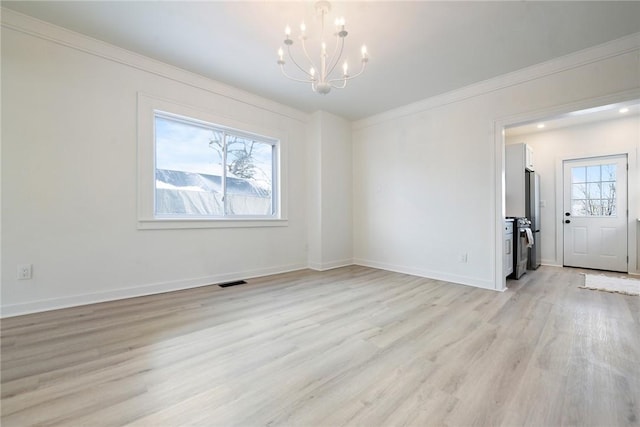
(593, 190)
(594, 207)
(593, 173)
(608, 207)
(608, 190)
(579, 191)
(578, 174)
(608, 172)
(578, 207)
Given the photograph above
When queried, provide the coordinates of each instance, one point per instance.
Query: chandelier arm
(294, 78)
(306, 54)
(364, 65)
(298, 65)
(337, 59)
(342, 86)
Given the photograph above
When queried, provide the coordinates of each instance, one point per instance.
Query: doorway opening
(596, 129)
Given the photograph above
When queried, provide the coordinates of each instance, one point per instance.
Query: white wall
(330, 214)
(427, 176)
(69, 177)
(551, 147)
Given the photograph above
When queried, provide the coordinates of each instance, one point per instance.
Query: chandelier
(321, 75)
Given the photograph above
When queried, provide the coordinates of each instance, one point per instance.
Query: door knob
(567, 221)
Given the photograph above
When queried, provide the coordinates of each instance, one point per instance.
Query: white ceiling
(417, 49)
(576, 118)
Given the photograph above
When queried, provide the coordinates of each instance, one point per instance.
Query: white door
(595, 213)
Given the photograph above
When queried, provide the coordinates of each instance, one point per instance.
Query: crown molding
(577, 59)
(34, 27)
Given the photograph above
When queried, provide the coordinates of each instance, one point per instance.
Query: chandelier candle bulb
(325, 79)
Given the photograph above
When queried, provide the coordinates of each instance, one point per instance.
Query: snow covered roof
(191, 193)
(190, 181)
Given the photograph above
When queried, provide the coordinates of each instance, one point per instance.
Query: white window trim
(147, 107)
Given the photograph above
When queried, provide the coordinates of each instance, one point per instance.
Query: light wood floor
(352, 346)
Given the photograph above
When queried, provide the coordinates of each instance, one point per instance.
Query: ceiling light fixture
(540, 125)
(320, 76)
(624, 110)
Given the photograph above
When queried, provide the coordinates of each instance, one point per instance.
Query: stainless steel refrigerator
(532, 211)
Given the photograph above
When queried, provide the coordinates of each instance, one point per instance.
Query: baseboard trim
(177, 285)
(330, 265)
(429, 274)
(139, 291)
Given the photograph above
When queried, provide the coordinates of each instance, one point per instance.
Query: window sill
(182, 223)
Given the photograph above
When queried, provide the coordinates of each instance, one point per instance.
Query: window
(199, 170)
(212, 171)
(593, 190)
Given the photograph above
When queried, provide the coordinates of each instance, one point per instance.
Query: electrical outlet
(24, 271)
(463, 258)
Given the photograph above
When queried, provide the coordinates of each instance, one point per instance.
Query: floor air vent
(237, 282)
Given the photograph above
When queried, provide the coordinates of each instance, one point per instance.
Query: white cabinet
(507, 256)
(518, 158)
(528, 157)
